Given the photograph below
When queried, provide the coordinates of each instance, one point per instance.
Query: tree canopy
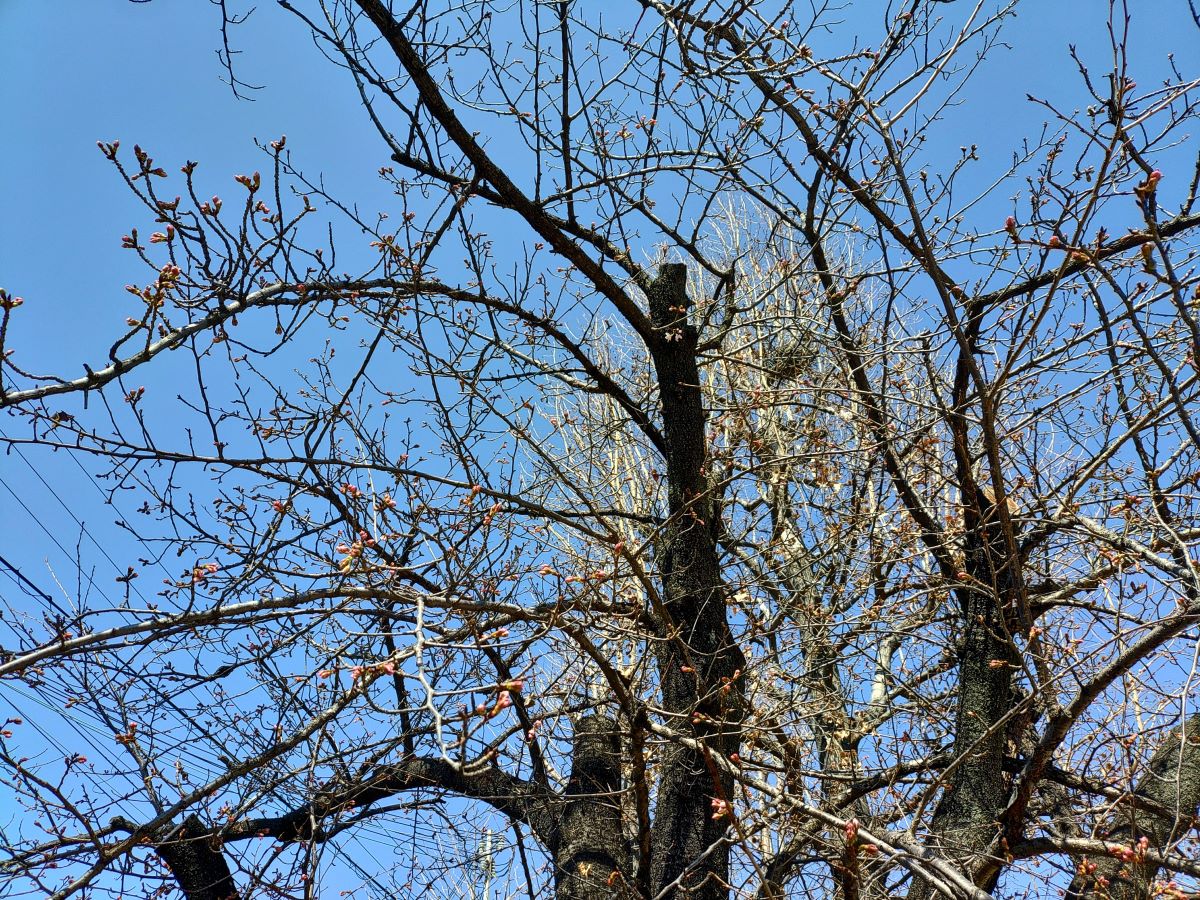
(711, 470)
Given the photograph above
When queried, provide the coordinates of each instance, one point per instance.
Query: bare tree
(708, 487)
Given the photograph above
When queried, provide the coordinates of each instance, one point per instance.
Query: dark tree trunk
(699, 664)
(966, 820)
(1171, 784)
(194, 856)
(592, 862)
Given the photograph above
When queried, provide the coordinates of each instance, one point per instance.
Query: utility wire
(21, 578)
(70, 512)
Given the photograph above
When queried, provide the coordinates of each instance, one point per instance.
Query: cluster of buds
(200, 573)
(476, 490)
(144, 162)
(367, 674)
(154, 295)
(491, 513)
(852, 840)
(249, 182)
(1136, 853)
(504, 700)
(1145, 190)
(351, 552)
(127, 737)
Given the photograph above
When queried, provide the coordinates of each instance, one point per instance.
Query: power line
(21, 578)
(70, 512)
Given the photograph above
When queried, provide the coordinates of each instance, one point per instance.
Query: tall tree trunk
(965, 822)
(699, 664)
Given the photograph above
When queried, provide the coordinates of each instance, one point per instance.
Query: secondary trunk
(1171, 784)
(591, 860)
(965, 822)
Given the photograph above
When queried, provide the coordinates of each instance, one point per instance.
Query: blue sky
(85, 70)
(145, 74)
(78, 71)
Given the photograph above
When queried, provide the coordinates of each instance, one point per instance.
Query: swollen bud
(1148, 262)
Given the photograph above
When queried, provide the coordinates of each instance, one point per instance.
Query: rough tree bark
(698, 662)
(592, 862)
(193, 854)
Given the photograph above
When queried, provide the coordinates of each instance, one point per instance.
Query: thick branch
(516, 798)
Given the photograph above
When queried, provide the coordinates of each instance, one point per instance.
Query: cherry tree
(700, 482)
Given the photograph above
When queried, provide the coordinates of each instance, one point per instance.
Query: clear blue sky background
(78, 71)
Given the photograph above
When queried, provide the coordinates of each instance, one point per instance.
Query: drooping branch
(516, 798)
